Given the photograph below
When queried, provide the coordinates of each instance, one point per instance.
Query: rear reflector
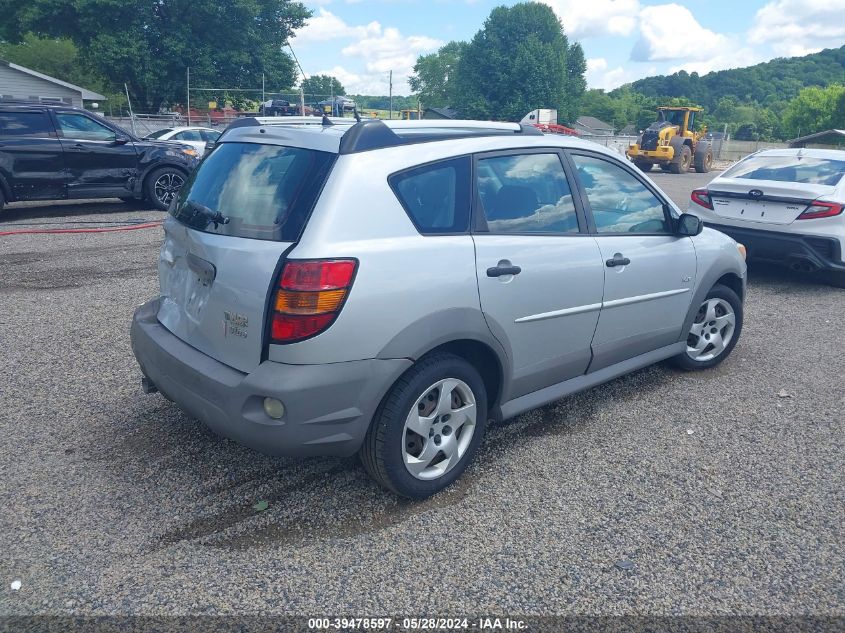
(702, 198)
(821, 210)
(309, 297)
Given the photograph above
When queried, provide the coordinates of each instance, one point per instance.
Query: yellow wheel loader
(673, 143)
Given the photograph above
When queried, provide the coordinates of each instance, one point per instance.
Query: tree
(519, 61)
(814, 110)
(434, 79)
(149, 44)
(322, 86)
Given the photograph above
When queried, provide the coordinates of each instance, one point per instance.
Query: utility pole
(391, 95)
(189, 95)
(129, 103)
(301, 101)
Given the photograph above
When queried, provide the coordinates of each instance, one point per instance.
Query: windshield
(159, 133)
(257, 191)
(799, 169)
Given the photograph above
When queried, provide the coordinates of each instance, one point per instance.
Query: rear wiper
(201, 211)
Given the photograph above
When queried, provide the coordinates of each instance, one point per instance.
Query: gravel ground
(723, 489)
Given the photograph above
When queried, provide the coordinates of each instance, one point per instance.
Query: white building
(17, 82)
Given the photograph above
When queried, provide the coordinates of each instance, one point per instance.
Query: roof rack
(370, 134)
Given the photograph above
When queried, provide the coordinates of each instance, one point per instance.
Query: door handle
(500, 271)
(618, 260)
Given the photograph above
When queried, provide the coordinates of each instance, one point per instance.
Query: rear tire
(643, 165)
(714, 332)
(422, 436)
(835, 279)
(680, 165)
(162, 185)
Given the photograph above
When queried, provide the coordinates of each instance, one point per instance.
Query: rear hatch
(232, 223)
(774, 189)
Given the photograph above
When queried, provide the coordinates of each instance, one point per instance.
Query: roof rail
(369, 134)
(288, 120)
(378, 134)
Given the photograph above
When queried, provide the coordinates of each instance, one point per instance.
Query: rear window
(25, 124)
(804, 169)
(436, 196)
(264, 192)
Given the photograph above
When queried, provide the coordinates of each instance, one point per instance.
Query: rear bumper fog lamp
(274, 408)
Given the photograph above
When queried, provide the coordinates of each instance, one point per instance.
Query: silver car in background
(785, 205)
(386, 288)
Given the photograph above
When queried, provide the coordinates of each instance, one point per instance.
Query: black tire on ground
(2, 200)
(162, 185)
(680, 165)
(643, 165)
(665, 166)
(384, 445)
(684, 361)
(703, 158)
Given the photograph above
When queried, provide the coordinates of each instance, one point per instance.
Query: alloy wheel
(712, 330)
(439, 429)
(167, 186)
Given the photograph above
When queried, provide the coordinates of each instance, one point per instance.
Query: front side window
(804, 169)
(256, 191)
(159, 133)
(620, 202)
(25, 125)
(436, 196)
(80, 127)
(526, 193)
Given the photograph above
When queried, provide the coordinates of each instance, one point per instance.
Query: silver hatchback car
(331, 287)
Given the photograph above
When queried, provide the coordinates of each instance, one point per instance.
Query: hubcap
(167, 186)
(712, 330)
(439, 429)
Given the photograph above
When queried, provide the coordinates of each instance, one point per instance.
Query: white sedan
(785, 205)
(196, 137)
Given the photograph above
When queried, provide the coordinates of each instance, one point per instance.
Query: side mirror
(120, 139)
(210, 145)
(689, 225)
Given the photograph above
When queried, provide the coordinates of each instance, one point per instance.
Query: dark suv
(58, 152)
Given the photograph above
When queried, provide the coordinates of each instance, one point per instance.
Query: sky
(360, 41)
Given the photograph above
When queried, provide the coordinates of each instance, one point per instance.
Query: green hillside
(767, 84)
(774, 100)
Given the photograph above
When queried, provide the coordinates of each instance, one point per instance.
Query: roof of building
(87, 95)
(832, 137)
(592, 123)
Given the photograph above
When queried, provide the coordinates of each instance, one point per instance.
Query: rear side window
(804, 169)
(436, 196)
(264, 192)
(25, 125)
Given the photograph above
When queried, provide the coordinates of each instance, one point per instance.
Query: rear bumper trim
(824, 252)
(328, 407)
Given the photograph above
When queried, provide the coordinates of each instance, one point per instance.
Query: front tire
(163, 185)
(714, 332)
(643, 165)
(680, 165)
(428, 427)
(703, 159)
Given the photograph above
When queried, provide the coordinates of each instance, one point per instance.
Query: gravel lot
(725, 496)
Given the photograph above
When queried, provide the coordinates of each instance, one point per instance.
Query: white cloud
(799, 27)
(599, 76)
(327, 26)
(731, 57)
(670, 32)
(596, 17)
(390, 50)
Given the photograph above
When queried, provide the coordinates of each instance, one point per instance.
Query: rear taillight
(820, 210)
(702, 198)
(309, 297)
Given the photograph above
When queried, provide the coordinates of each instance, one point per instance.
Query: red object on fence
(554, 128)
